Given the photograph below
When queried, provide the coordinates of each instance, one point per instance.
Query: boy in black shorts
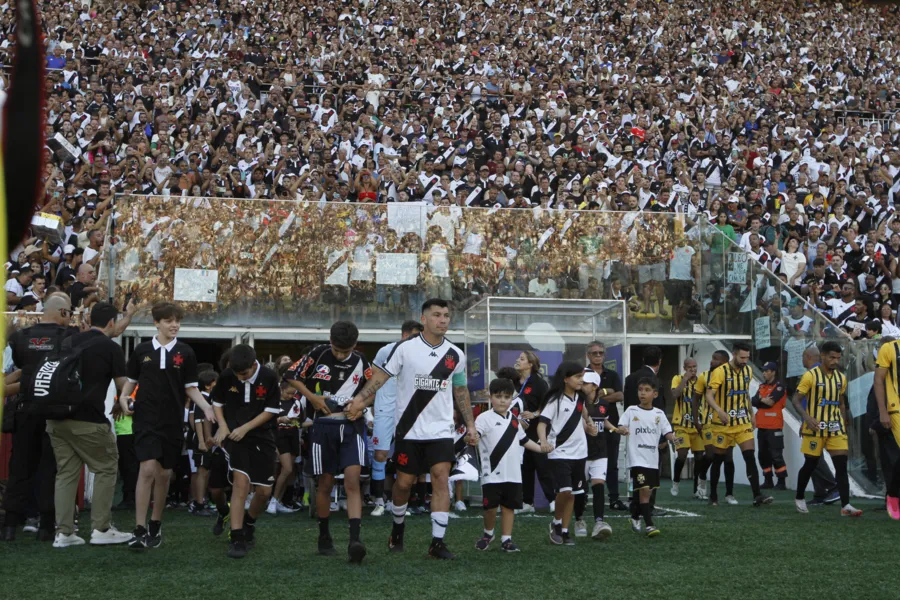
(287, 442)
(200, 449)
(165, 373)
(247, 398)
(501, 439)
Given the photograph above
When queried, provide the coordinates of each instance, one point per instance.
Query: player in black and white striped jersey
(500, 442)
(328, 377)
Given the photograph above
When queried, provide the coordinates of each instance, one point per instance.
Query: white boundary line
(674, 514)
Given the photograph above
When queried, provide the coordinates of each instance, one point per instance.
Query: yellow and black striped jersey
(681, 414)
(700, 389)
(732, 387)
(823, 395)
(889, 358)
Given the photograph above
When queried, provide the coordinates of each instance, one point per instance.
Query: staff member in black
(532, 389)
(32, 453)
(652, 359)
(246, 399)
(611, 392)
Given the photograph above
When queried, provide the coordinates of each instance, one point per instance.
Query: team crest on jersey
(813, 445)
(147, 359)
(720, 439)
(233, 390)
(375, 441)
(355, 379)
(527, 390)
(323, 373)
(657, 419)
(178, 360)
(449, 362)
(634, 418)
(260, 391)
(602, 410)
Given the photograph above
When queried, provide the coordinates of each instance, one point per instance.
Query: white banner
(396, 269)
(196, 285)
(762, 333)
(737, 267)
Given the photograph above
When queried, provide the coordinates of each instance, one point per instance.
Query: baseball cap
(770, 366)
(592, 377)
(69, 249)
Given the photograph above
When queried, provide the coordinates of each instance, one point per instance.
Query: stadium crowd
(717, 113)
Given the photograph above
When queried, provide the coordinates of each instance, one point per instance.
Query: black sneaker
(138, 539)
(356, 552)
(484, 542)
(618, 505)
(237, 549)
(768, 484)
(781, 485)
(508, 546)
(326, 546)
(154, 541)
(250, 535)
(556, 535)
(221, 520)
(762, 499)
(440, 551)
(567, 541)
(395, 542)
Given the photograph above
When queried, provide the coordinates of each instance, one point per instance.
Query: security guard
(769, 402)
(32, 456)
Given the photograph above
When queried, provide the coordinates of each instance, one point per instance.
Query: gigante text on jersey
(430, 384)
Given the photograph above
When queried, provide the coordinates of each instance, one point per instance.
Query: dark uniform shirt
(599, 412)
(30, 345)
(325, 375)
(100, 364)
(162, 373)
(243, 401)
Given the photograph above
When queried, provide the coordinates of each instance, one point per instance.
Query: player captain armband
(460, 379)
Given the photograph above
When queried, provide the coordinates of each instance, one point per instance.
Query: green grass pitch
(728, 552)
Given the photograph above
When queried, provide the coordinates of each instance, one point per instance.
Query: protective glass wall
(282, 263)
(499, 329)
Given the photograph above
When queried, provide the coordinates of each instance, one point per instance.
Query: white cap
(68, 249)
(592, 377)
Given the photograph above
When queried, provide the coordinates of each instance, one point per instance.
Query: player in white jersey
(563, 423)
(431, 377)
(644, 425)
(383, 433)
(500, 441)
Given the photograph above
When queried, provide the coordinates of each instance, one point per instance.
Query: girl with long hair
(532, 389)
(563, 426)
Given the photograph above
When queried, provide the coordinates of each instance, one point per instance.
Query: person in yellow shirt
(700, 412)
(887, 395)
(728, 398)
(686, 436)
(821, 398)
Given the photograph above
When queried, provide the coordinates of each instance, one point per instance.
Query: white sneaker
(272, 508)
(378, 511)
(343, 505)
(701, 489)
(801, 506)
(674, 489)
(580, 528)
(460, 506)
(389, 507)
(453, 515)
(281, 508)
(850, 511)
(526, 509)
(102, 538)
(64, 541)
(334, 507)
(31, 525)
(602, 530)
(731, 500)
(553, 506)
(636, 525)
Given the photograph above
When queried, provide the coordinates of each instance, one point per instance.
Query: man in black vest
(32, 455)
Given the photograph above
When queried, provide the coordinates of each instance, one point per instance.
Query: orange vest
(771, 417)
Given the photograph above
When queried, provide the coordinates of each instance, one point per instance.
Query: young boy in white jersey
(644, 425)
(501, 439)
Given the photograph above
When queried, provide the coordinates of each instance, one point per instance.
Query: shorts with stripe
(568, 475)
(596, 469)
(254, 458)
(336, 445)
